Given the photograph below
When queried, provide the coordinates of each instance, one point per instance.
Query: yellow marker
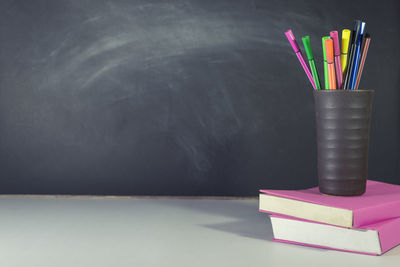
(345, 47)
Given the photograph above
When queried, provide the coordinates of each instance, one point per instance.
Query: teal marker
(325, 63)
(310, 56)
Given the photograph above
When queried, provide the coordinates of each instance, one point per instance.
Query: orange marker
(331, 65)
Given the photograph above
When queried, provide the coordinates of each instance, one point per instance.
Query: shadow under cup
(343, 129)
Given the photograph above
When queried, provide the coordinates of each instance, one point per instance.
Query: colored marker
(336, 51)
(357, 56)
(345, 48)
(331, 65)
(326, 77)
(364, 52)
(297, 51)
(310, 56)
(351, 62)
(346, 82)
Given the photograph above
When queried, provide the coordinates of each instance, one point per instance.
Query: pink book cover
(381, 201)
(388, 231)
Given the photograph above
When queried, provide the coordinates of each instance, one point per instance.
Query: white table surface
(72, 232)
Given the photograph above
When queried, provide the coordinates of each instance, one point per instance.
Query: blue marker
(354, 69)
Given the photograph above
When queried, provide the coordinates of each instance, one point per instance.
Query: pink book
(381, 201)
(372, 239)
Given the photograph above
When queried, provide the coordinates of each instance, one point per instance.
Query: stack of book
(367, 224)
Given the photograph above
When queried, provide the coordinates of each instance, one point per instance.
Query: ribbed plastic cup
(343, 129)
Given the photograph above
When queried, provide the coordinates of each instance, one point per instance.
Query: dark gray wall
(184, 97)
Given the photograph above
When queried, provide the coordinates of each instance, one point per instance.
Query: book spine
(374, 214)
(389, 235)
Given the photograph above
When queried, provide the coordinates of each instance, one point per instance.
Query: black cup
(343, 128)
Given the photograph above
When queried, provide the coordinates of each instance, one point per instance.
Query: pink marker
(338, 64)
(296, 48)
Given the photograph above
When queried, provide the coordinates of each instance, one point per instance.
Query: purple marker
(338, 64)
(296, 48)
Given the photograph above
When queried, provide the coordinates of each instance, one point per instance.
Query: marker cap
(323, 45)
(345, 40)
(335, 37)
(362, 29)
(292, 40)
(357, 29)
(307, 47)
(329, 50)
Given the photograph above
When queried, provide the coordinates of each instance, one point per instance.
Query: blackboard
(179, 97)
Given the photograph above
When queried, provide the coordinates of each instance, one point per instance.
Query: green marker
(325, 63)
(310, 56)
